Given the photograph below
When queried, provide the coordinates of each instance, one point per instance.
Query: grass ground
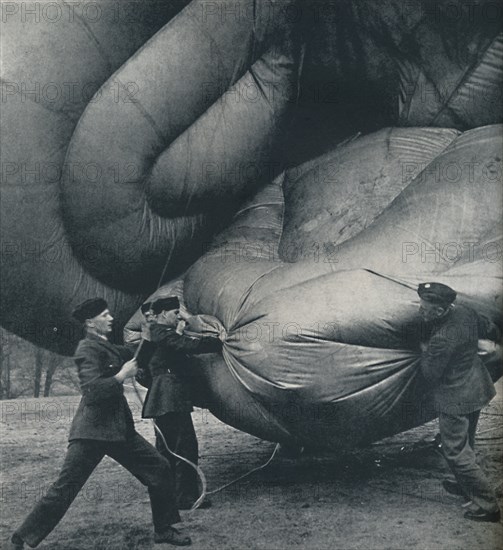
(386, 496)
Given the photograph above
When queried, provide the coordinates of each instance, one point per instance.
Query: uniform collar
(445, 316)
(158, 331)
(103, 341)
(98, 336)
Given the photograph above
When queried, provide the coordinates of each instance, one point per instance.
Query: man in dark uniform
(169, 398)
(103, 425)
(146, 349)
(462, 386)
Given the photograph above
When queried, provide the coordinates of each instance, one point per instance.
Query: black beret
(165, 304)
(147, 306)
(89, 309)
(436, 293)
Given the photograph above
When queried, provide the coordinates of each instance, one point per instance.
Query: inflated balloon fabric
(133, 131)
(371, 64)
(324, 350)
(54, 62)
(129, 135)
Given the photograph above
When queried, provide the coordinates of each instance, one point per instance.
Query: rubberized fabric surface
(132, 132)
(296, 166)
(322, 347)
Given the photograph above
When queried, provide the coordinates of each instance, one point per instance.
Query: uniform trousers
(178, 431)
(83, 455)
(458, 441)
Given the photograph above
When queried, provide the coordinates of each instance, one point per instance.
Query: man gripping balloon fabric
(461, 387)
(169, 398)
(103, 425)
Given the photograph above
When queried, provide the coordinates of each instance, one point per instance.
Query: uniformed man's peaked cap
(436, 293)
(165, 304)
(89, 309)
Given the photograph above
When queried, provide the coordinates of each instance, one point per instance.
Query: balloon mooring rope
(198, 470)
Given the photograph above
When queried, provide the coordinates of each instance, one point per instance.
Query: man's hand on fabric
(195, 325)
(145, 331)
(487, 347)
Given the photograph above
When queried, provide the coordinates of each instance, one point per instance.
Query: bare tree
(49, 375)
(39, 364)
(23, 366)
(5, 351)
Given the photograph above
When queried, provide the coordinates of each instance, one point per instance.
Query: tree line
(29, 371)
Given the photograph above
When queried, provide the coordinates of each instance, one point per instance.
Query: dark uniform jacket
(451, 364)
(103, 413)
(170, 389)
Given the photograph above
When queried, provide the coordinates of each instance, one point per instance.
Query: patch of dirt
(384, 496)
